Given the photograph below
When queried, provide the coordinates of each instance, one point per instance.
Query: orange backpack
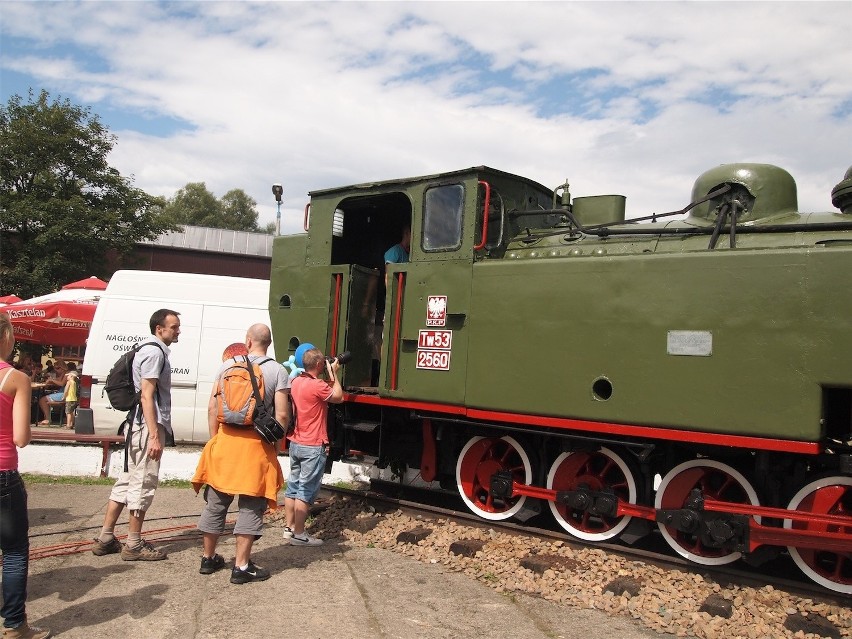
(236, 402)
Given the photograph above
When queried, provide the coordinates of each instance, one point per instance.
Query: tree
(195, 205)
(63, 208)
(239, 211)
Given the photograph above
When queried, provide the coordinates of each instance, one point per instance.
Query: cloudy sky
(636, 98)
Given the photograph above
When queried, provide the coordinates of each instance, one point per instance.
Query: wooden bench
(106, 442)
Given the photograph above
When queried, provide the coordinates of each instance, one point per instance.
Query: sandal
(44, 422)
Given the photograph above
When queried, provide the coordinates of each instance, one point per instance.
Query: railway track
(644, 581)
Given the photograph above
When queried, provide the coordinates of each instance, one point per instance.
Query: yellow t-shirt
(71, 384)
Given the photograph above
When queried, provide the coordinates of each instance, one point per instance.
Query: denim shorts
(307, 466)
(56, 397)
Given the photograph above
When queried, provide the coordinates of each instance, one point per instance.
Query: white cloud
(639, 97)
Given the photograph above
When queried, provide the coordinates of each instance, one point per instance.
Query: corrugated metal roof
(202, 238)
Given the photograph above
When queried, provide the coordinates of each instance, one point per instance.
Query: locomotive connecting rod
(817, 537)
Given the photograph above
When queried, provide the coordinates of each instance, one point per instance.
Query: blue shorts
(56, 397)
(307, 465)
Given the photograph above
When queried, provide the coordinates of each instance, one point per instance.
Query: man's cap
(300, 352)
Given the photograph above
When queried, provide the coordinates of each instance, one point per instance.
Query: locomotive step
(363, 426)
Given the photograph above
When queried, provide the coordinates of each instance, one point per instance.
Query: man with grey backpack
(149, 421)
(241, 459)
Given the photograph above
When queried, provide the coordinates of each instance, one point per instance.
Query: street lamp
(278, 191)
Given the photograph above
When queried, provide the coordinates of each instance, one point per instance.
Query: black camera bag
(265, 423)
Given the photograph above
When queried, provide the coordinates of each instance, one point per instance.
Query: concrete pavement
(328, 591)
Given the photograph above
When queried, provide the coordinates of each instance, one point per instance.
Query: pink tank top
(8, 450)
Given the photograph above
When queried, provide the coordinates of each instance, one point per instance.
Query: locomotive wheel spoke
(828, 496)
(596, 470)
(715, 480)
(480, 458)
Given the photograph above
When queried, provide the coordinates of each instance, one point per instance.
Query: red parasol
(58, 319)
(91, 283)
(10, 299)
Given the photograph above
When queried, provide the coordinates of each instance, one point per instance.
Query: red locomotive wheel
(715, 480)
(480, 458)
(596, 470)
(827, 496)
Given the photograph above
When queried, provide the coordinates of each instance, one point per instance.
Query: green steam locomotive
(689, 370)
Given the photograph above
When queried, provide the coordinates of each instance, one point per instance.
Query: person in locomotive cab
(236, 462)
(398, 253)
(309, 441)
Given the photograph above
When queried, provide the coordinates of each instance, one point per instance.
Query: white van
(215, 312)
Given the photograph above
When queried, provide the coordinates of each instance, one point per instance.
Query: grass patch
(176, 483)
(38, 478)
(72, 480)
(347, 485)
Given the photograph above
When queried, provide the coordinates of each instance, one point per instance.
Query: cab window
(442, 218)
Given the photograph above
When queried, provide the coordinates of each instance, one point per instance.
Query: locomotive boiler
(689, 371)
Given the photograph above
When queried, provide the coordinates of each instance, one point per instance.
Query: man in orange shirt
(236, 461)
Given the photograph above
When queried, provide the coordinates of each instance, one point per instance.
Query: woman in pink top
(15, 393)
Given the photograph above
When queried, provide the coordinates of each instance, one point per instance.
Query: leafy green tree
(63, 209)
(194, 204)
(239, 211)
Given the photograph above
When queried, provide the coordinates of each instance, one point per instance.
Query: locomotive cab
(348, 232)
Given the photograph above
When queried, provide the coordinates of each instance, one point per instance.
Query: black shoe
(252, 573)
(212, 564)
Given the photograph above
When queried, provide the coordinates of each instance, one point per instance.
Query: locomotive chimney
(841, 195)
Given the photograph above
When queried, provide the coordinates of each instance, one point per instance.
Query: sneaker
(109, 548)
(288, 532)
(145, 552)
(26, 631)
(212, 564)
(252, 573)
(305, 540)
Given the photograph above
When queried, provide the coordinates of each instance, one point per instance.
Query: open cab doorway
(363, 229)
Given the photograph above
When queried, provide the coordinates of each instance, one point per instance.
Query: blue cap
(300, 352)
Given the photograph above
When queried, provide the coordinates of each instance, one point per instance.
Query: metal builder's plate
(694, 343)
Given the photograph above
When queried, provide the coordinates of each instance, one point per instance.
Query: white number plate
(433, 360)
